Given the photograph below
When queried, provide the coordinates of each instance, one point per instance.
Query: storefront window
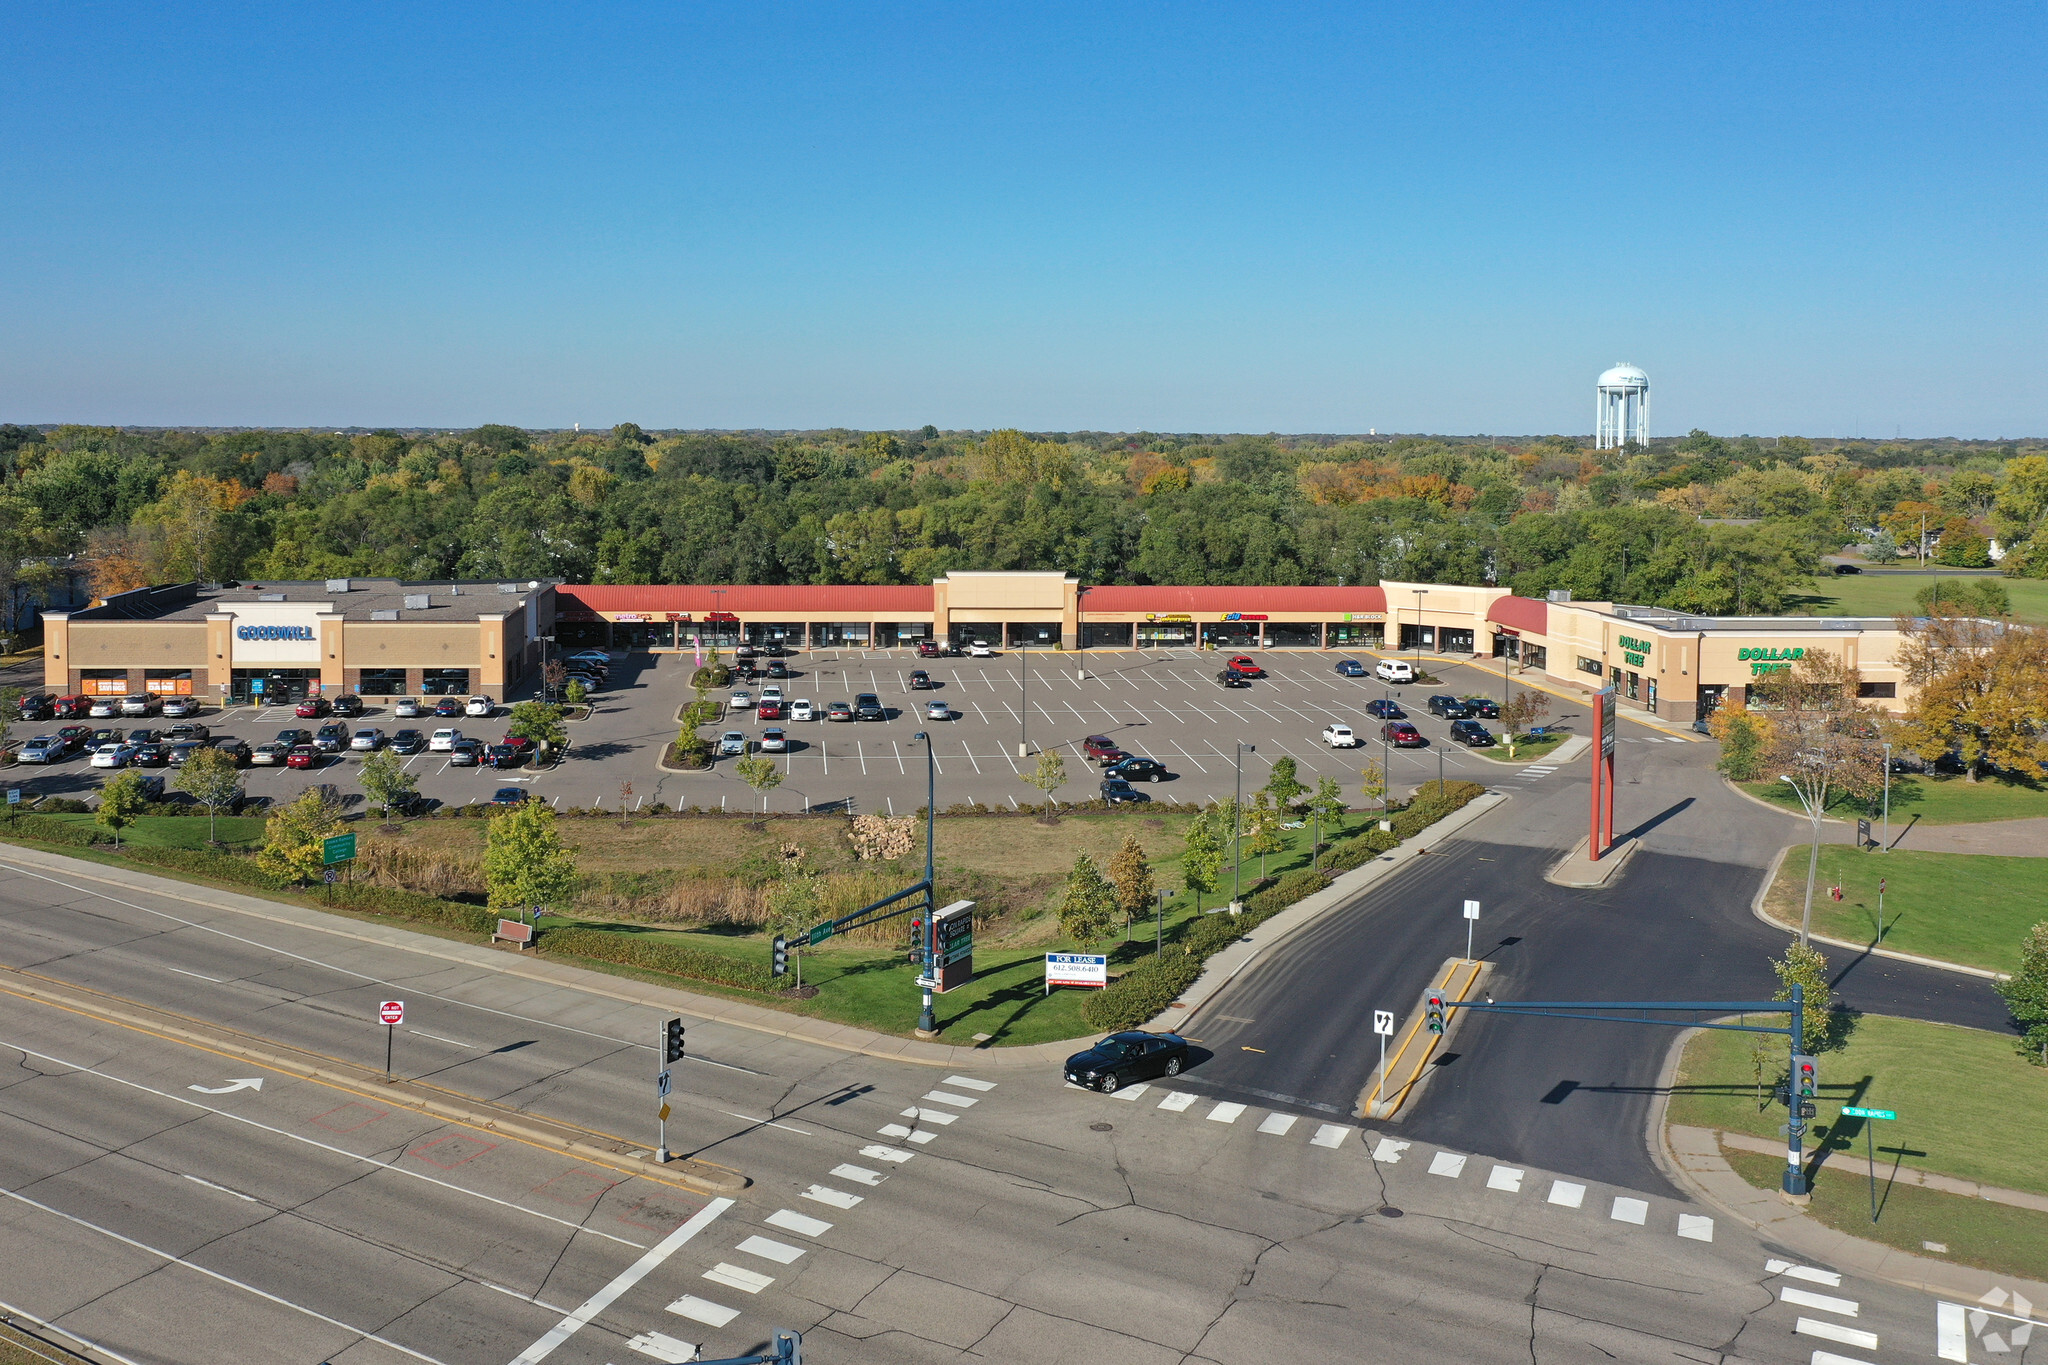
(1593, 666)
(839, 634)
(382, 682)
(275, 686)
(788, 634)
(1456, 641)
(1535, 656)
(444, 682)
(1294, 635)
(1106, 635)
(1371, 634)
(1166, 634)
(103, 682)
(901, 634)
(1414, 636)
(1231, 634)
(1032, 634)
(167, 682)
(1632, 684)
(643, 635)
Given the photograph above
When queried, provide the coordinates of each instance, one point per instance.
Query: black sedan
(920, 681)
(504, 756)
(1447, 706)
(1138, 770)
(408, 742)
(1471, 733)
(1115, 790)
(1483, 707)
(1385, 710)
(1232, 678)
(1124, 1057)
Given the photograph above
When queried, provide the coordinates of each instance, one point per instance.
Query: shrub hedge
(661, 955)
(207, 863)
(57, 831)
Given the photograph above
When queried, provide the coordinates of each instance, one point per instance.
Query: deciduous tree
(1088, 908)
(211, 778)
(2026, 995)
(526, 864)
(292, 836)
(1823, 744)
(1981, 689)
(1201, 860)
(1050, 774)
(121, 802)
(384, 780)
(1131, 873)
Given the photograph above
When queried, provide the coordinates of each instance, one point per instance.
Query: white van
(1395, 671)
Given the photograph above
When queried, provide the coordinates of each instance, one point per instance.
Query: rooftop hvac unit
(1559, 594)
(415, 601)
(508, 587)
(383, 616)
(337, 585)
(270, 597)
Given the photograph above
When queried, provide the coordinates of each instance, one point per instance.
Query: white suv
(479, 706)
(1340, 737)
(1395, 671)
(770, 693)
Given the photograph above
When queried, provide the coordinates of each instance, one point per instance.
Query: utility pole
(1023, 702)
(1237, 830)
(1886, 846)
(927, 1022)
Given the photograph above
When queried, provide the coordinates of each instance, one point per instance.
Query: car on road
(406, 708)
(445, 707)
(103, 708)
(1138, 770)
(1379, 708)
(68, 708)
(774, 740)
(269, 755)
(187, 730)
(1102, 748)
(43, 749)
(509, 796)
(1449, 707)
(1340, 737)
(1848, 568)
(1394, 671)
(1232, 678)
(1115, 790)
(37, 706)
(1351, 668)
(1121, 1058)
(176, 707)
(800, 709)
(741, 700)
(980, 649)
(732, 744)
(1471, 734)
(479, 706)
(312, 708)
(920, 681)
(237, 749)
(138, 704)
(504, 756)
(348, 704)
(768, 710)
(467, 753)
(302, 756)
(366, 739)
(1245, 664)
(1402, 735)
(331, 738)
(938, 710)
(408, 742)
(868, 706)
(444, 741)
(839, 710)
(1484, 707)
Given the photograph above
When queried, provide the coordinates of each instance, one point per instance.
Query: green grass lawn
(1936, 799)
(1528, 751)
(179, 831)
(1968, 1105)
(1889, 592)
(1972, 908)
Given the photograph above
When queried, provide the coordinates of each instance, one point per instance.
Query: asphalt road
(151, 1205)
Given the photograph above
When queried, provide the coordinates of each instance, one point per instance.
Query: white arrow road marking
(246, 1083)
(625, 1280)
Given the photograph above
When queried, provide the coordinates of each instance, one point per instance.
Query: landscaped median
(1973, 909)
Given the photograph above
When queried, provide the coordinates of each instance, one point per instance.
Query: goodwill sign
(274, 633)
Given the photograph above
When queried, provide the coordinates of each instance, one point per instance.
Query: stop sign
(391, 1012)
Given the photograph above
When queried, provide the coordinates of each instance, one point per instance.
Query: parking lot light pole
(1886, 846)
(1420, 593)
(1023, 703)
(1237, 827)
(927, 1023)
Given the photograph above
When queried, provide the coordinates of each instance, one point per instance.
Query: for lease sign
(1075, 969)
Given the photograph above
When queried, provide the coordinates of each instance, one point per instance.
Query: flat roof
(1663, 618)
(445, 600)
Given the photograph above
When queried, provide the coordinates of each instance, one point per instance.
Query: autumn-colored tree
(115, 560)
(1131, 874)
(1981, 688)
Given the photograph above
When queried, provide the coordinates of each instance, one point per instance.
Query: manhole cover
(1389, 1211)
(1101, 1127)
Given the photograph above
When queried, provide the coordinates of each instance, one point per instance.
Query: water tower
(1621, 410)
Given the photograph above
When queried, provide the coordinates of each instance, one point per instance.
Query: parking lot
(1162, 705)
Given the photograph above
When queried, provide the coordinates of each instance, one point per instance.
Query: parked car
(444, 741)
(106, 734)
(504, 756)
(467, 753)
(479, 706)
(938, 710)
(1394, 671)
(367, 739)
(37, 706)
(1115, 790)
(1481, 706)
(839, 710)
(522, 743)
(978, 649)
(595, 656)
(1379, 708)
(43, 749)
(920, 681)
(138, 704)
(147, 755)
(312, 708)
(927, 649)
(1245, 664)
(331, 738)
(1230, 677)
(1449, 707)
(406, 708)
(1102, 747)
(447, 706)
(1125, 1057)
(732, 744)
(188, 730)
(67, 708)
(348, 704)
(591, 682)
(774, 741)
(269, 755)
(294, 736)
(768, 710)
(800, 709)
(104, 708)
(74, 736)
(175, 707)
(778, 669)
(868, 706)
(1138, 770)
(237, 749)
(302, 756)
(509, 796)
(1471, 734)
(1351, 668)
(1402, 735)
(773, 693)
(741, 700)
(408, 742)
(177, 754)
(1340, 737)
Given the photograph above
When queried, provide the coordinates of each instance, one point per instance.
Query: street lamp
(1023, 700)
(1159, 931)
(1420, 593)
(1886, 847)
(1237, 827)
(927, 1023)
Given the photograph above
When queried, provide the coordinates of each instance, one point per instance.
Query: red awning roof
(793, 600)
(1169, 598)
(1521, 613)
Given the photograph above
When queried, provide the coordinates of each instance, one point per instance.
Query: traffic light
(917, 943)
(672, 1042)
(1805, 1085)
(781, 966)
(1434, 1008)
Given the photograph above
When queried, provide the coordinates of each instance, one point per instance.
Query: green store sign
(1762, 660)
(1634, 652)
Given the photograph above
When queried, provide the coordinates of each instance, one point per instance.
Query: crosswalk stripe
(789, 1220)
(1628, 1210)
(1567, 1194)
(1447, 1163)
(968, 1082)
(1388, 1151)
(1225, 1113)
(782, 1253)
(738, 1277)
(664, 1348)
(938, 1116)
(957, 1101)
(838, 1199)
(1828, 1331)
(1332, 1135)
(1176, 1100)
(881, 1153)
(859, 1174)
(1130, 1092)
(897, 1130)
(1831, 1278)
(1506, 1178)
(703, 1310)
(1830, 1358)
(1696, 1226)
(1806, 1298)
(1277, 1124)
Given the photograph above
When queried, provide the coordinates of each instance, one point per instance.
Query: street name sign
(1850, 1111)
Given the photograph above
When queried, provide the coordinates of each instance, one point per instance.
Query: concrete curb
(1220, 969)
(1692, 1158)
(1561, 755)
(1755, 800)
(1595, 875)
(1756, 907)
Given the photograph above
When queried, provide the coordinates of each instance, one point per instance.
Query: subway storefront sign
(1762, 660)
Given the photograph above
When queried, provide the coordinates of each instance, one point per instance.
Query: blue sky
(1814, 219)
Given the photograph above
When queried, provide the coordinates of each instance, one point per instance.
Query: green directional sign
(820, 934)
(337, 848)
(1850, 1111)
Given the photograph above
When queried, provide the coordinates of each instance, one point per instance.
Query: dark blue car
(1351, 668)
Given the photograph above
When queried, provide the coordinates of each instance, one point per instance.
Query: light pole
(1023, 701)
(1886, 846)
(1237, 827)
(927, 1023)
(1420, 593)
(1159, 929)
